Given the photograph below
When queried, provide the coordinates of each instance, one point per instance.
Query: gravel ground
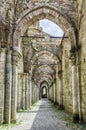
(42, 117)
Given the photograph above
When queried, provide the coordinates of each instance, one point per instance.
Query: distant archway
(44, 92)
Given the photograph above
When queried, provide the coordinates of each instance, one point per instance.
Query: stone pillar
(56, 86)
(37, 93)
(75, 90)
(2, 81)
(15, 59)
(8, 80)
(32, 89)
(26, 92)
(19, 97)
(23, 92)
(30, 92)
(54, 92)
(49, 93)
(60, 90)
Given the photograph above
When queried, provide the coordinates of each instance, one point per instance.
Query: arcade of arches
(34, 64)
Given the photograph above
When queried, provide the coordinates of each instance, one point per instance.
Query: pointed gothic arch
(40, 12)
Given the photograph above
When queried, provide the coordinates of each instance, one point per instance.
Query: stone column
(8, 80)
(23, 92)
(52, 95)
(19, 97)
(49, 93)
(54, 92)
(26, 92)
(60, 90)
(30, 92)
(75, 90)
(56, 86)
(15, 59)
(2, 81)
(37, 93)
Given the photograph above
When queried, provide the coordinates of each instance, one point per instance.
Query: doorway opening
(44, 92)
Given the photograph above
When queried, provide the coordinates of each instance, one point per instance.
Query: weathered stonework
(2, 82)
(31, 59)
(82, 40)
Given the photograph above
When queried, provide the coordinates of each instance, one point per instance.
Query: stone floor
(41, 117)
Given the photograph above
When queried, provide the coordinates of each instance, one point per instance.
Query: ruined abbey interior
(34, 64)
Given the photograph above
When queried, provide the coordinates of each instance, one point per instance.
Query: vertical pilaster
(30, 92)
(8, 80)
(60, 90)
(56, 86)
(2, 81)
(37, 94)
(48, 93)
(75, 90)
(23, 92)
(54, 92)
(15, 58)
(19, 93)
(26, 92)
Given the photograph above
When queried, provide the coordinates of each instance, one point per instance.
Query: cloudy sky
(50, 27)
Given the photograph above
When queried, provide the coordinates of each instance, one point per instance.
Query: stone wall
(67, 77)
(82, 42)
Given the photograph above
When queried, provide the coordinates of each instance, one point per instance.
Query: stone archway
(44, 11)
(55, 15)
(44, 92)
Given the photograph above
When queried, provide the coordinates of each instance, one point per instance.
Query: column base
(6, 122)
(61, 107)
(75, 118)
(13, 121)
(56, 103)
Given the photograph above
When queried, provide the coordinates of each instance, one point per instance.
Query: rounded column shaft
(75, 93)
(15, 59)
(8, 79)
(60, 90)
(2, 81)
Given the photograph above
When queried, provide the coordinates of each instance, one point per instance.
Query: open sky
(51, 28)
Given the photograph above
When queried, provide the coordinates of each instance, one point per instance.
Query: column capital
(20, 75)
(15, 57)
(73, 58)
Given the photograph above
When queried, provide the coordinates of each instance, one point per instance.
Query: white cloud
(51, 28)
